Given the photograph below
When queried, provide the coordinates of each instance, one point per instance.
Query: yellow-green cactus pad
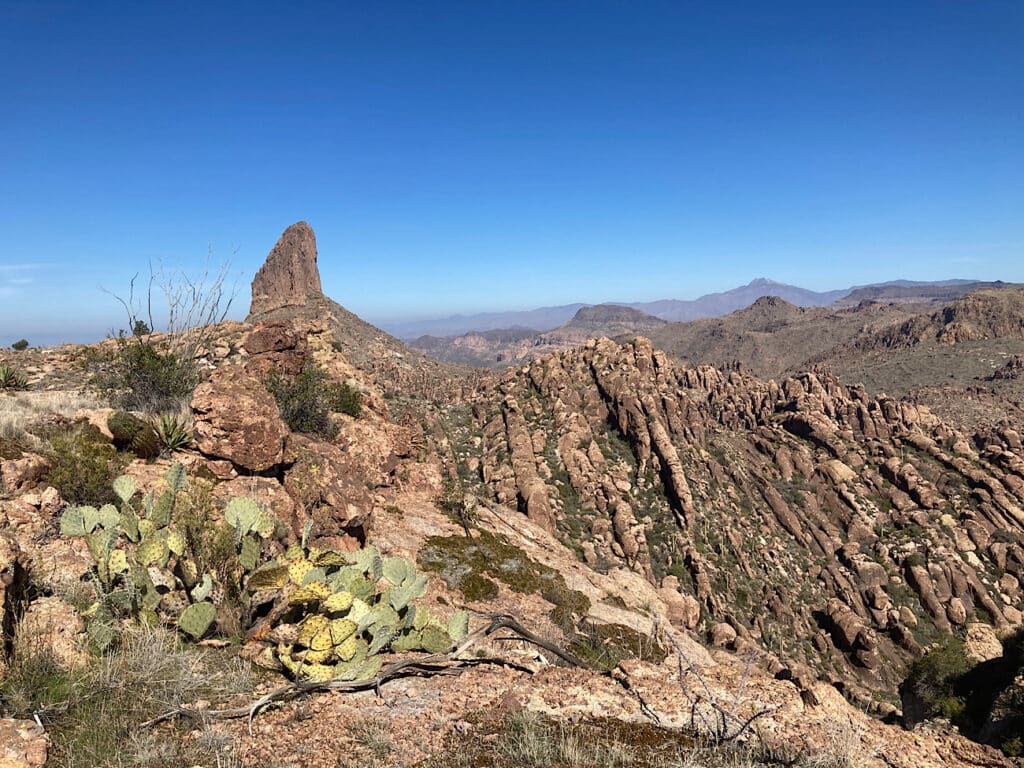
(341, 630)
(310, 626)
(347, 648)
(298, 570)
(339, 601)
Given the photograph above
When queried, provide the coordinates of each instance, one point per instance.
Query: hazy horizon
(494, 157)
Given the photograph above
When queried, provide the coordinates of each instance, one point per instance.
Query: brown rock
(722, 635)
(53, 624)
(237, 419)
(325, 484)
(276, 346)
(289, 277)
(23, 744)
(22, 474)
(14, 567)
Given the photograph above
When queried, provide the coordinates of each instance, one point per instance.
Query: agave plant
(11, 379)
(173, 430)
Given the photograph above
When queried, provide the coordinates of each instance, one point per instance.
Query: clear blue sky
(459, 157)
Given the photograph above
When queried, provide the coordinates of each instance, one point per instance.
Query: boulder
(237, 420)
(54, 624)
(14, 574)
(18, 475)
(328, 486)
(276, 346)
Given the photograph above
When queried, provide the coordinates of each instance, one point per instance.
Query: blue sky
(460, 157)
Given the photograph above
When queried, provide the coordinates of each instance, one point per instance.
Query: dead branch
(422, 666)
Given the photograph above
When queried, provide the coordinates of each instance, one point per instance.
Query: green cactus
(196, 619)
(146, 443)
(124, 427)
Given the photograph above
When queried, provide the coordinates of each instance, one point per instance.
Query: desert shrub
(83, 466)
(146, 377)
(20, 345)
(11, 379)
(307, 400)
(124, 427)
(159, 374)
(934, 676)
(343, 398)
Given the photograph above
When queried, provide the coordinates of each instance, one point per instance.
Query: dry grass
(19, 411)
(92, 713)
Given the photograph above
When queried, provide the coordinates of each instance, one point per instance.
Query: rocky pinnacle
(289, 277)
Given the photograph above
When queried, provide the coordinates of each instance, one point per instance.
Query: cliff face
(290, 276)
(832, 529)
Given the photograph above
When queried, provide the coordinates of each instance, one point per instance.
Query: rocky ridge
(722, 487)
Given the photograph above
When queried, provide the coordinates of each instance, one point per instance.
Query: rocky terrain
(706, 543)
(507, 346)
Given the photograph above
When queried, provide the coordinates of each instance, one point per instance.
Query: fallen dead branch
(423, 666)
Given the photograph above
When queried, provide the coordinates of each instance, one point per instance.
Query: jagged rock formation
(287, 290)
(835, 530)
(986, 314)
(290, 276)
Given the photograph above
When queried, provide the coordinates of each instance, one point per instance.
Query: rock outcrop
(837, 530)
(237, 420)
(290, 277)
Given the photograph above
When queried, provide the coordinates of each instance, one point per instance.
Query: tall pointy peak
(290, 276)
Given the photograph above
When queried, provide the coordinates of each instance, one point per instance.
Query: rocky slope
(621, 505)
(839, 532)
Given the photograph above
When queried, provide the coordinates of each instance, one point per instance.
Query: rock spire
(289, 277)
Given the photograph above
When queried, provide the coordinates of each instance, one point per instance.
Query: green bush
(83, 466)
(307, 400)
(144, 377)
(933, 678)
(20, 346)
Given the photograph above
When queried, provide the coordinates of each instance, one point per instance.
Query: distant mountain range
(709, 305)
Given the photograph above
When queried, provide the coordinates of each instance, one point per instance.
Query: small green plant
(83, 466)
(20, 346)
(173, 430)
(934, 676)
(11, 379)
(307, 400)
(141, 328)
(146, 377)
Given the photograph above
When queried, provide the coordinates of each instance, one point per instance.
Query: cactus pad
(197, 618)
(337, 602)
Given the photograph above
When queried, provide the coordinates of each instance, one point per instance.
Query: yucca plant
(173, 430)
(10, 379)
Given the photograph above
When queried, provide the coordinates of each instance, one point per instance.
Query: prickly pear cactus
(345, 609)
(143, 567)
